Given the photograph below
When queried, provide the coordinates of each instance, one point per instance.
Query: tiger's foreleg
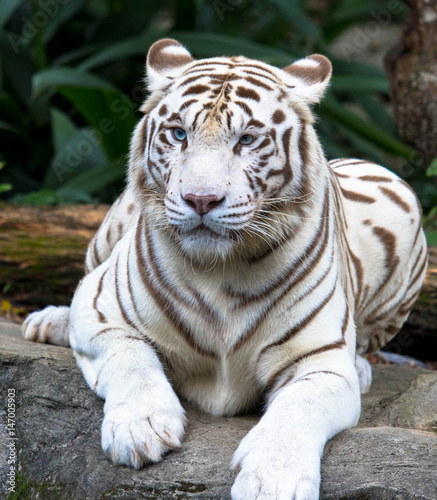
(280, 457)
(143, 417)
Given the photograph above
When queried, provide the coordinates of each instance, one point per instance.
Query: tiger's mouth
(202, 231)
(206, 245)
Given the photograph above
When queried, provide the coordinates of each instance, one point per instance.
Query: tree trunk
(412, 71)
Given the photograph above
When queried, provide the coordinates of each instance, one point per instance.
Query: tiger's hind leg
(364, 371)
(48, 326)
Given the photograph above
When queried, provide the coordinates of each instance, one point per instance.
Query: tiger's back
(386, 253)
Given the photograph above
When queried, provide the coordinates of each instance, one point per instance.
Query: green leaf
(356, 69)
(63, 129)
(354, 10)
(58, 14)
(376, 111)
(55, 77)
(5, 187)
(431, 238)
(121, 50)
(94, 180)
(359, 83)
(7, 9)
(361, 146)
(67, 58)
(371, 132)
(432, 169)
(298, 18)
(41, 197)
(11, 128)
(213, 45)
(110, 113)
(68, 196)
(82, 152)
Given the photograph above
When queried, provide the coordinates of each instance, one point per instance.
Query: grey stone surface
(58, 438)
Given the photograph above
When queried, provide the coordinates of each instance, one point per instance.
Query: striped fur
(241, 270)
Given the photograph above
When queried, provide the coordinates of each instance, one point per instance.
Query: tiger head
(226, 152)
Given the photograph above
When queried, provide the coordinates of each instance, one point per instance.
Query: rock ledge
(392, 454)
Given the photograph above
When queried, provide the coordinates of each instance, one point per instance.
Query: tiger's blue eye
(246, 139)
(179, 134)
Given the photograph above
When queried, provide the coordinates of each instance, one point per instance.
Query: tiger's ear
(310, 77)
(165, 61)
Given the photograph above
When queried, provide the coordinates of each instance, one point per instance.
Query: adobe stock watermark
(221, 7)
(91, 138)
(47, 10)
(11, 442)
(362, 36)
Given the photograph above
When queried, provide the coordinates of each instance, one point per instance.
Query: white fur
(177, 295)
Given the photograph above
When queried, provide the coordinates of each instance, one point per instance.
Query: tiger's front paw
(271, 469)
(134, 437)
(48, 326)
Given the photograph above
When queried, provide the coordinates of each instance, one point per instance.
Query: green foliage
(4, 187)
(71, 81)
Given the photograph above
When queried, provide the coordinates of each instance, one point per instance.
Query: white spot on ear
(307, 63)
(174, 50)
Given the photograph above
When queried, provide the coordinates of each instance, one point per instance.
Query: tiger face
(218, 152)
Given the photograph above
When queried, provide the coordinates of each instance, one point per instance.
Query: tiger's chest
(211, 326)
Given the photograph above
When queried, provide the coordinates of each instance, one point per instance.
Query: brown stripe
(244, 107)
(246, 93)
(186, 105)
(299, 326)
(419, 273)
(259, 75)
(374, 178)
(416, 262)
(406, 306)
(118, 296)
(258, 83)
(339, 344)
(388, 239)
(251, 330)
(343, 176)
(395, 198)
(245, 65)
(108, 236)
(338, 160)
(359, 197)
(104, 331)
(286, 171)
(196, 89)
(321, 234)
(96, 257)
(255, 123)
(358, 265)
(201, 307)
(358, 162)
(102, 318)
(131, 294)
(278, 117)
(166, 306)
(163, 110)
(345, 322)
(190, 79)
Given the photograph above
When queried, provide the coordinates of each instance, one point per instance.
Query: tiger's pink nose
(203, 204)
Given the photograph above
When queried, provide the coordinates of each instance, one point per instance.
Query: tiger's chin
(205, 246)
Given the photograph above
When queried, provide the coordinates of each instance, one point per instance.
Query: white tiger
(239, 265)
